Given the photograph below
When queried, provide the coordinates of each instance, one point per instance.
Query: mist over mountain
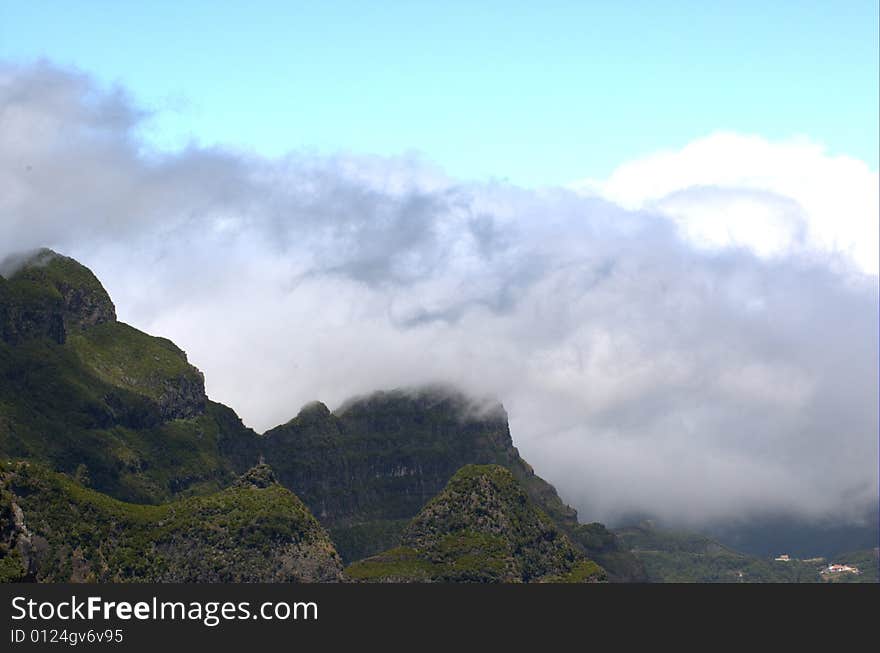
(641, 370)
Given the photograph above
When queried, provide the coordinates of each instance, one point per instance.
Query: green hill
(483, 527)
(93, 397)
(52, 529)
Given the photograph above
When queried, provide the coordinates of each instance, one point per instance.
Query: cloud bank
(775, 198)
(685, 339)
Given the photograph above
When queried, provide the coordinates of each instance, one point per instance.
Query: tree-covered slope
(52, 529)
(483, 527)
(91, 396)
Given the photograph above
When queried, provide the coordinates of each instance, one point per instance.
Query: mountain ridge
(125, 413)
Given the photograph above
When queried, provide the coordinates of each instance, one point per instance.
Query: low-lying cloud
(645, 366)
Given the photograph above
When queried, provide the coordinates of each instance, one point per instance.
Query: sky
(652, 235)
(537, 93)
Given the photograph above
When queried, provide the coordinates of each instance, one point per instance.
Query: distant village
(831, 569)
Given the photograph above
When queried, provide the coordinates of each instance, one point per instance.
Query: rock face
(483, 527)
(254, 531)
(365, 470)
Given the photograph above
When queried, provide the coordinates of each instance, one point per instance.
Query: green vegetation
(398, 565)
(678, 557)
(585, 571)
(54, 530)
(81, 391)
(484, 528)
(362, 539)
(124, 357)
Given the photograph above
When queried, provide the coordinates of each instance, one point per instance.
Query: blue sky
(535, 93)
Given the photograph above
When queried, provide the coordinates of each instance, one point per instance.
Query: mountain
(124, 414)
(52, 529)
(371, 466)
(366, 469)
(483, 527)
(93, 397)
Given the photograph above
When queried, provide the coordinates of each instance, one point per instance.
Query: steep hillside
(483, 527)
(54, 530)
(90, 396)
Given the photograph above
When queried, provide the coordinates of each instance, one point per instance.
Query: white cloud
(743, 190)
